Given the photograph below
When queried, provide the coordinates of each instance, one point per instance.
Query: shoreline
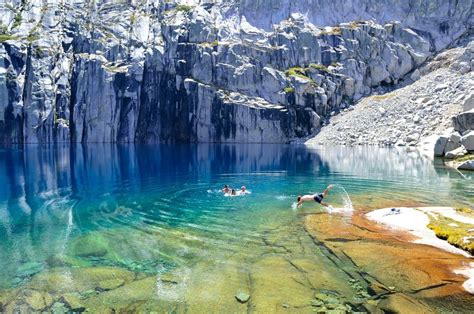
(416, 220)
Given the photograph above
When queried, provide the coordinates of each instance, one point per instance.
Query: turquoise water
(152, 209)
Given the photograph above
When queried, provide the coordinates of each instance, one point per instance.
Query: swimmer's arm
(326, 191)
(324, 204)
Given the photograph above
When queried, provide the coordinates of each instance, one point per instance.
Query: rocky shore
(408, 115)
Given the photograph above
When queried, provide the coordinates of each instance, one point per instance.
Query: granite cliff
(205, 71)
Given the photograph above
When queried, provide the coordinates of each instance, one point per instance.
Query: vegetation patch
(298, 72)
(464, 210)
(214, 43)
(289, 90)
(382, 97)
(459, 234)
(5, 37)
(183, 8)
(17, 20)
(320, 67)
(465, 158)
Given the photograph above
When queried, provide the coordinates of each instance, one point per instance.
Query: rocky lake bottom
(145, 228)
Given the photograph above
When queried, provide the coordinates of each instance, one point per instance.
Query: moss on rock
(456, 233)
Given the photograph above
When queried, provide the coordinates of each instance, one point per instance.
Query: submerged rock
(29, 269)
(242, 297)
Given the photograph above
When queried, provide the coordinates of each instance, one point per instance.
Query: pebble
(242, 297)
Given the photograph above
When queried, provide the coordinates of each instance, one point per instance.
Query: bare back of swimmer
(318, 198)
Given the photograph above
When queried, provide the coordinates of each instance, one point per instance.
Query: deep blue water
(51, 196)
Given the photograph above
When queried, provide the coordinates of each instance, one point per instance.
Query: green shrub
(183, 8)
(5, 37)
(297, 71)
(289, 90)
(17, 20)
(319, 67)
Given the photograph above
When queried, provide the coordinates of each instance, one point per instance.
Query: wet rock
(74, 302)
(59, 308)
(466, 165)
(401, 303)
(242, 297)
(91, 245)
(58, 261)
(37, 300)
(77, 279)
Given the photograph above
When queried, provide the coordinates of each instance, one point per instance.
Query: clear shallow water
(155, 209)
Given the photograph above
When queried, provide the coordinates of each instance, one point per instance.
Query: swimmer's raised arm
(326, 191)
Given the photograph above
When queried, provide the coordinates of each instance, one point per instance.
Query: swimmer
(226, 189)
(233, 192)
(316, 197)
(243, 190)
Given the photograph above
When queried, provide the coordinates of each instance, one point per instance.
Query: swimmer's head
(243, 188)
(233, 192)
(299, 198)
(226, 186)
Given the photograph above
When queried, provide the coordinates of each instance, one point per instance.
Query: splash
(346, 200)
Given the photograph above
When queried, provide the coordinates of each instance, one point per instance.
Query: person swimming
(318, 198)
(226, 189)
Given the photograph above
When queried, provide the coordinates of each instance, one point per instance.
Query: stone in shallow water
(77, 279)
(110, 284)
(37, 300)
(59, 308)
(91, 245)
(242, 297)
(74, 302)
(29, 269)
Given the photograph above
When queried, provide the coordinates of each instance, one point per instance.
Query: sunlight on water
(157, 214)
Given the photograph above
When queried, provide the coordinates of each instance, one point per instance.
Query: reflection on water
(147, 208)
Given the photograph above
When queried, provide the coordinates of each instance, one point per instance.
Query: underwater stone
(91, 245)
(74, 302)
(29, 269)
(35, 299)
(242, 297)
(110, 284)
(59, 308)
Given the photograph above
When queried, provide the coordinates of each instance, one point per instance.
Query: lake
(142, 227)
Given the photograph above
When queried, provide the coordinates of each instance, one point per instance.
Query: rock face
(202, 71)
(407, 115)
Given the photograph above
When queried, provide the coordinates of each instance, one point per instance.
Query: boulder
(467, 165)
(439, 146)
(464, 121)
(451, 145)
(415, 75)
(456, 153)
(455, 137)
(468, 103)
(468, 141)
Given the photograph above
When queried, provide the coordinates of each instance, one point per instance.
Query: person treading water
(318, 198)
